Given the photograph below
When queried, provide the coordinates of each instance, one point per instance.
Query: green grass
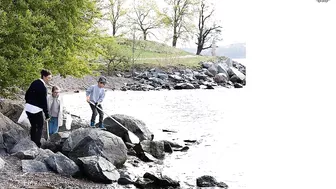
(151, 54)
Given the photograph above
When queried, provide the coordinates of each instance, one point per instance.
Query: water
(209, 116)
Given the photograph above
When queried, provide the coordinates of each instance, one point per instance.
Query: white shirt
(31, 108)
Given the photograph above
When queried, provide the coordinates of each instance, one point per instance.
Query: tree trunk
(109, 69)
(199, 49)
(144, 35)
(174, 40)
(114, 29)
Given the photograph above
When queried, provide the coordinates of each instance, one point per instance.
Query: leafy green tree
(179, 16)
(115, 57)
(146, 17)
(116, 11)
(52, 34)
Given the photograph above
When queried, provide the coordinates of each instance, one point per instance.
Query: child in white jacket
(55, 107)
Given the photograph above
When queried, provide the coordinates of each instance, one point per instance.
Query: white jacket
(60, 113)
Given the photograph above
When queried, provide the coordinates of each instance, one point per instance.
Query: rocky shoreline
(222, 72)
(86, 157)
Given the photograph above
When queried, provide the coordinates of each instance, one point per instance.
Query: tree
(206, 31)
(113, 55)
(180, 17)
(115, 12)
(44, 34)
(147, 16)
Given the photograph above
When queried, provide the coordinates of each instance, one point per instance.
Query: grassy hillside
(149, 53)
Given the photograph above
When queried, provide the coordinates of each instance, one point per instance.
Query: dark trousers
(94, 113)
(36, 122)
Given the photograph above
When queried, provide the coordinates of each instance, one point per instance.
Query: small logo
(322, 1)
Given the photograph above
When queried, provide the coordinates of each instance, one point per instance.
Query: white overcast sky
(231, 15)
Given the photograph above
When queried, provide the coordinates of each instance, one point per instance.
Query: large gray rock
(208, 73)
(209, 181)
(157, 80)
(235, 79)
(213, 69)
(56, 141)
(43, 155)
(11, 109)
(162, 76)
(25, 149)
(161, 181)
(98, 169)
(12, 137)
(62, 164)
(184, 86)
(134, 125)
(155, 148)
(223, 68)
(176, 77)
(76, 123)
(201, 76)
(229, 62)
(221, 78)
(206, 64)
(90, 142)
(126, 177)
(238, 73)
(6, 124)
(33, 166)
(172, 144)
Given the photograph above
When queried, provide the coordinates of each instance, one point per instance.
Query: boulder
(62, 165)
(12, 137)
(155, 148)
(126, 177)
(206, 64)
(222, 68)
(209, 181)
(221, 78)
(184, 86)
(6, 124)
(235, 79)
(208, 73)
(134, 125)
(25, 149)
(144, 183)
(229, 62)
(161, 181)
(76, 123)
(90, 142)
(11, 109)
(43, 155)
(176, 77)
(55, 142)
(200, 76)
(33, 166)
(213, 69)
(163, 76)
(98, 169)
(172, 144)
(237, 73)
(238, 85)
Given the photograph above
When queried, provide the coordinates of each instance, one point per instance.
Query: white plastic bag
(23, 119)
(68, 122)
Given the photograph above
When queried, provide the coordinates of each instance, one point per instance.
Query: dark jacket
(37, 95)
